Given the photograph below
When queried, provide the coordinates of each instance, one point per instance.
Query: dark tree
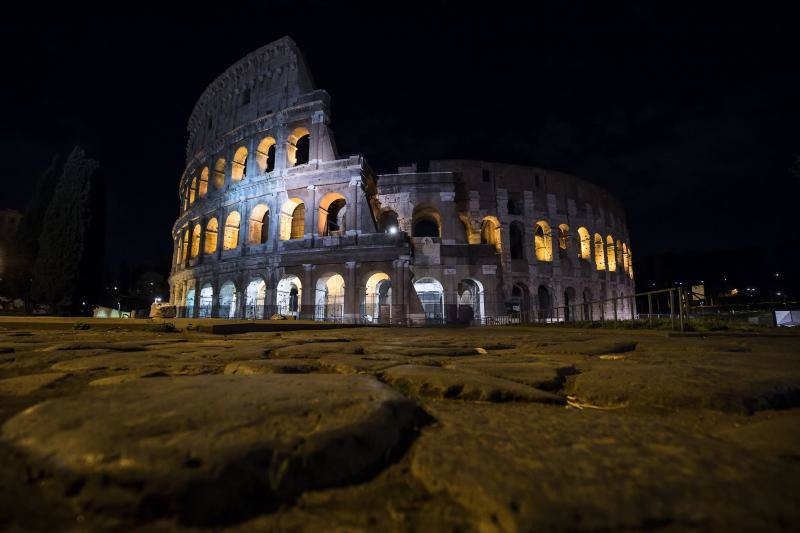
(64, 264)
(26, 241)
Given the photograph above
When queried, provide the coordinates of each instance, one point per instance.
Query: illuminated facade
(274, 221)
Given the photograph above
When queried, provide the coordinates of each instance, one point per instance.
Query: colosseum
(273, 220)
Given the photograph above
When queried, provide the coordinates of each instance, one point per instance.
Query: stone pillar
(399, 298)
(352, 223)
(449, 284)
(351, 293)
(244, 228)
(202, 246)
(215, 299)
(308, 296)
(220, 232)
(271, 294)
(449, 217)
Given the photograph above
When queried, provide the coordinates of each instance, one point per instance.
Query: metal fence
(654, 307)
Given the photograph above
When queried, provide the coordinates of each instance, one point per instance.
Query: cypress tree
(66, 236)
(26, 241)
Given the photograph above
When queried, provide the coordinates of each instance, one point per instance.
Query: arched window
(203, 186)
(517, 236)
(186, 243)
(230, 240)
(612, 256)
(255, 296)
(192, 189)
(212, 227)
(265, 155)
(599, 252)
(332, 208)
(239, 166)
(470, 300)
(219, 173)
(625, 258)
(196, 240)
(292, 220)
(299, 146)
(258, 232)
(543, 241)
(388, 223)
(426, 222)
(545, 303)
(490, 232)
(563, 237)
(206, 301)
(585, 250)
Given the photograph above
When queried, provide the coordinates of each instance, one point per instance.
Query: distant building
(274, 220)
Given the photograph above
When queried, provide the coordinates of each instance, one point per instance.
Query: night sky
(689, 115)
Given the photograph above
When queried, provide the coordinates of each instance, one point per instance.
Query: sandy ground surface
(492, 429)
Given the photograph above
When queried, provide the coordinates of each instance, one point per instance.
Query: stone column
(399, 299)
(220, 232)
(449, 284)
(351, 292)
(202, 246)
(215, 299)
(449, 217)
(352, 223)
(308, 296)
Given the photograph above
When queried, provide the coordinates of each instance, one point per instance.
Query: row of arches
(331, 221)
(605, 253)
(329, 299)
(298, 148)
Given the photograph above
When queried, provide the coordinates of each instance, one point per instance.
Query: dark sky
(688, 114)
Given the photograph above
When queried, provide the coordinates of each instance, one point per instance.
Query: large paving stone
(528, 467)
(139, 362)
(437, 382)
(24, 385)
(545, 375)
(212, 449)
(270, 366)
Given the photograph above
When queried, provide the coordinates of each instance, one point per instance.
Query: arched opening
(545, 303)
(426, 222)
(377, 306)
(332, 209)
(569, 301)
(599, 252)
(520, 298)
(258, 228)
(490, 232)
(186, 245)
(587, 304)
(255, 295)
(203, 185)
(563, 239)
(543, 241)
(239, 166)
(196, 230)
(630, 263)
(227, 300)
(585, 250)
(265, 155)
(219, 173)
(230, 239)
(470, 300)
(431, 296)
(189, 310)
(292, 220)
(206, 301)
(289, 295)
(517, 235)
(212, 228)
(625, 257)
(329, 298)
(299, 146)
(178, 250)
(388, 223)
(468, 238)
(192, 189)
(612, 256)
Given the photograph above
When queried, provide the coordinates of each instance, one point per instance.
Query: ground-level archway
(377, 304)
(227, 300)
(431, 296)
(255, 297)
(289, 295)
(206, 301)
(329, 298)
(545, 303)
(189, 310)
(569, 303)
(470, 300)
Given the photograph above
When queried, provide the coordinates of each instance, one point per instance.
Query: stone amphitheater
(273, 220)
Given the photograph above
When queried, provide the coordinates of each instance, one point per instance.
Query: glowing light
(393, 230)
